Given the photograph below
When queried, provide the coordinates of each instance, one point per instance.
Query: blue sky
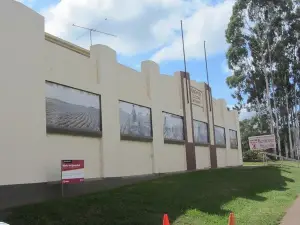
(150, 31)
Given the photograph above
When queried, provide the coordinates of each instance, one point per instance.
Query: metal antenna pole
(90, 32)
(206, 63)
(186, 82)
(210, 96)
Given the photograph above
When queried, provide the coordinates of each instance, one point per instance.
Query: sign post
(261, 143)
(72, 172)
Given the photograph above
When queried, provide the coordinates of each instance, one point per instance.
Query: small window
(173, 127)
(200, 132)
(220, 136)
(135, 120)
(233, 139)
(72, 111)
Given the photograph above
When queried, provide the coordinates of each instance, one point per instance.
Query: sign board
(72, 171)
(196, 96)
(262, 142)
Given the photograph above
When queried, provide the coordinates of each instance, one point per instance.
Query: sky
(150, 29)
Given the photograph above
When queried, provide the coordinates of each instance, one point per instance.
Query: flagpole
(207, 78)
(183, 49)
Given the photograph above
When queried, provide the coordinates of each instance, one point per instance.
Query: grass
(256, 196)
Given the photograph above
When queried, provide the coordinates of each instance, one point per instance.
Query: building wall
(29, 58)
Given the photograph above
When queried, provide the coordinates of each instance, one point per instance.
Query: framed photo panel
(173, 127)
(233, 139)
(135, 120)
(220, 136)
(200, 132)
(72, 111)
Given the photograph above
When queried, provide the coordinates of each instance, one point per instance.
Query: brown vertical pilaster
(211, 124)
(189, 144)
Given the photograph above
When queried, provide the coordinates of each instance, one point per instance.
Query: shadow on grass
(145, 203)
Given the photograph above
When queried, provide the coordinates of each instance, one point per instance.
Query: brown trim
(73, 132)
(201, 144)
(189, 146)
(191, 106)
(212, 111)
(212, 147)
(221, 146)
(183, 107)
(207, 112)
(125, 137)
(143, 107)
(176, 142)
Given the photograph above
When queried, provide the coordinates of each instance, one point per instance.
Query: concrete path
(292, 216)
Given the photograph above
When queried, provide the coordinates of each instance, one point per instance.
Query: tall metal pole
(91, 37)
(186, 81)
(206, 63)
(210, 96)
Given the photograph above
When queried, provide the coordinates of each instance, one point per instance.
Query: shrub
(252, 156)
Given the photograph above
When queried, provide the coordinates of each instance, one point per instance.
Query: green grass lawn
(257, 196)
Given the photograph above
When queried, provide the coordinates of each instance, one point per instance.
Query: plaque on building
(196, 96)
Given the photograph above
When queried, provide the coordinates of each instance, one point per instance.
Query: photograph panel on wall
(200, 132)
(173, 127)
(73, 111)
(220, 136)
(233, 139)
(135, 120)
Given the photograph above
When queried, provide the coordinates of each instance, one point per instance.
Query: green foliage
(264, 55)
(252, 156)
(251, 127)
(254, 25)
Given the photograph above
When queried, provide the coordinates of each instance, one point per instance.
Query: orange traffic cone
(231, 219)
(166, 220)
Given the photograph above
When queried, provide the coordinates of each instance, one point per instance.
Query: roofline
(65, 44)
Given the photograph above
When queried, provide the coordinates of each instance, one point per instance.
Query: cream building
(59, 101)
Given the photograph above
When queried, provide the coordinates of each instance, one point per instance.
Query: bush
(252, 156)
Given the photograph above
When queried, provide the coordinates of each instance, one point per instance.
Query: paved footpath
(292, 216)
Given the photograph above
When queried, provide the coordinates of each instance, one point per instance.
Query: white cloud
(244, 114)
(208, 23)
(143, 25)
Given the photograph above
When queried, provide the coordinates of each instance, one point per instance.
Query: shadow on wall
(145, 203)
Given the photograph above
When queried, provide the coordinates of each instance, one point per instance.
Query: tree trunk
(269, 104)
(286, 146)
(297, 137)
(276, 119)
(289, 124)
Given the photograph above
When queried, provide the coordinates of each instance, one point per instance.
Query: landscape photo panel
(220, 136)
(73, 110)
(200, 132)
(233, 139)
(173, 127)
(135, 120)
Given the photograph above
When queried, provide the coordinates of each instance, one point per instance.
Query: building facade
(59, 101)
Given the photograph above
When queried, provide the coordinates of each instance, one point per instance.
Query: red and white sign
(72, 171)
(262, 142)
